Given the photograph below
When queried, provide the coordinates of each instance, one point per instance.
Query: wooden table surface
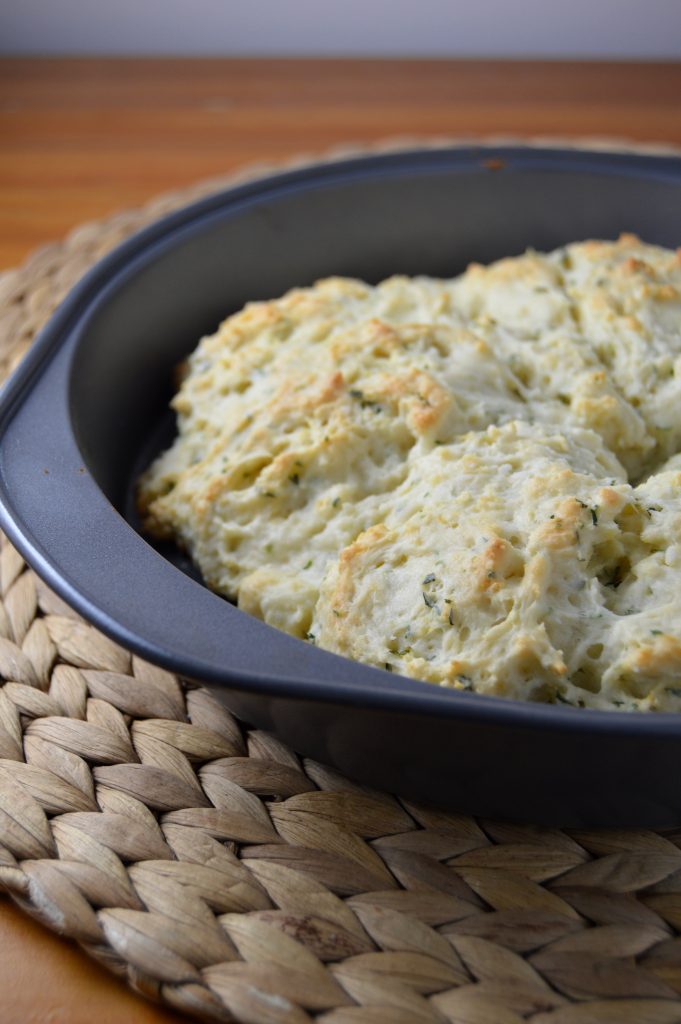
(83, 138)
(79, 139)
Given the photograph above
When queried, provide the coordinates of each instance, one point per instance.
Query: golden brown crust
(443, 476)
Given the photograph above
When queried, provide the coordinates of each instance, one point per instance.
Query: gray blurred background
(644, 29)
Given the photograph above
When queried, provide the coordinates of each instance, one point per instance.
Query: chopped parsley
(615, 578)
(366, 403)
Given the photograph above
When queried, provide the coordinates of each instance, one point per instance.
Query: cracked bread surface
(473, 481)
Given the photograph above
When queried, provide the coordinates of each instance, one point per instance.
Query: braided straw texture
(217, 871)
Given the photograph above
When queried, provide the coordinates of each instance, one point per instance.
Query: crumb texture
(474, 482)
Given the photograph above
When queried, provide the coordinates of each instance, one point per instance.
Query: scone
(460, 481)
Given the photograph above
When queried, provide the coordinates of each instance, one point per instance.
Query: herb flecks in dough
(490, 460)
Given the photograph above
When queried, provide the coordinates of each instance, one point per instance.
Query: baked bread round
(474, 481)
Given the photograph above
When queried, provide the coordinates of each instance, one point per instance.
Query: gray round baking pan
(88, 408)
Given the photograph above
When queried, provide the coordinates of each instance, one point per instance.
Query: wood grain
(82, 138)
(45, 980)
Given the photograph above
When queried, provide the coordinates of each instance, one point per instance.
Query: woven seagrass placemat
(221, 873)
